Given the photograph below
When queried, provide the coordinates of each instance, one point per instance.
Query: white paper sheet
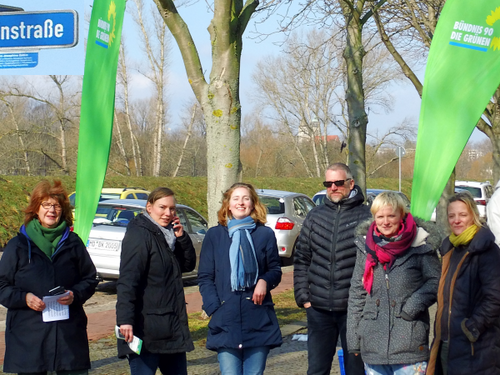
(135, 345)
(54, 311)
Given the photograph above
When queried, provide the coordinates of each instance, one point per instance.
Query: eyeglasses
(48, 206)
(339, 183)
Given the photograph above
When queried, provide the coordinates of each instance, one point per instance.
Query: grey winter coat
(391, 325)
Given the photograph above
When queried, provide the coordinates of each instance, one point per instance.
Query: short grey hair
(340, 167)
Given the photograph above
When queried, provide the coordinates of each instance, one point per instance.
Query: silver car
(286, 212)
(110, 223)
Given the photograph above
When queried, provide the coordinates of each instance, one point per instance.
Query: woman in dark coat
(395, 281)
(467, 326)
(44, 255)
(151, 305)
(239, 266)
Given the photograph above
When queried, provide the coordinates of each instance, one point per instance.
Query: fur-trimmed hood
(432, 235)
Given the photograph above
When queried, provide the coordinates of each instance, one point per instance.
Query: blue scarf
(244, 266)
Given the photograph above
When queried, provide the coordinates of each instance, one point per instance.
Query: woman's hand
(178, 228)
(127, 331)
(67, 300)
(259, 292)
(34, 303)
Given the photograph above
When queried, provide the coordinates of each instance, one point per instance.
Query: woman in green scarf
(467, 326)
(46, 255)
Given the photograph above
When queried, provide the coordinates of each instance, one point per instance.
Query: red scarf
(387, 253)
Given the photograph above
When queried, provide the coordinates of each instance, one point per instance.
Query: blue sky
(71, 61)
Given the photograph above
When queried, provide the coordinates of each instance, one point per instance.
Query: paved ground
(290, 358)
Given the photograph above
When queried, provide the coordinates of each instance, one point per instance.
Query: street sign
(36, 30)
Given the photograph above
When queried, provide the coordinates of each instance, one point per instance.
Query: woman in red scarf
(395, 281)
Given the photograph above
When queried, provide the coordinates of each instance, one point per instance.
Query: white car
(105, 240)
(481, 191)
(286, 211)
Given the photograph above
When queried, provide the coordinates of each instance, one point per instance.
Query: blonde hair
(388, 198)
(259, 212)
(466, 198)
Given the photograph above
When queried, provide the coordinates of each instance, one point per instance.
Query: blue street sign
(44, 29)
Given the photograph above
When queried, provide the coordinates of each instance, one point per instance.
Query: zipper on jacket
(391, 311)
(334, 249)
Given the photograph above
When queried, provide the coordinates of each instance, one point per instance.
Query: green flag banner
(96, 118)
(462, 73)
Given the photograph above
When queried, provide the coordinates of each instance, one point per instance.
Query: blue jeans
(323, 330)
(249, 361)
(146, 363)
(410, 369)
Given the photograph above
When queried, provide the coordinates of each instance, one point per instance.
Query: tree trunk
(190, 127)
(124, 78)
(355, 97)
(442, 207)
(120, 145)
(21, 141)
(219, 99)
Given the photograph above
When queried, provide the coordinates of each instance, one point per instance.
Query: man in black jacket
(324, 262)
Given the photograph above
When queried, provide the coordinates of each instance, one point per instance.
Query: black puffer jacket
(150, 290)
(325, 254)
(474, 323)
(390, 325)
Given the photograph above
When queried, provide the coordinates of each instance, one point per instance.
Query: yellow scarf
(465, 237)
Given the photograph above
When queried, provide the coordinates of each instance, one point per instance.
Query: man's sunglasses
(339, 183)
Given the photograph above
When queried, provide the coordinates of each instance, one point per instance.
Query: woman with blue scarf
(239, 266)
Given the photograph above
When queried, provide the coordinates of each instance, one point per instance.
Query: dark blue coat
(31, 344)
(236, 321)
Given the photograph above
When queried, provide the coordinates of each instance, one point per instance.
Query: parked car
(117, 193)
(481, 191)
(319, 197)
(105, 240)
(286, 212)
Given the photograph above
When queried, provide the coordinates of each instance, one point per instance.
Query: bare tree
(15, 121)
(304, 91)
(156, 47)
(194, 109)
(123, 80)
(219, 98)
(61, 107)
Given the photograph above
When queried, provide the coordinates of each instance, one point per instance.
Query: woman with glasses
(239, 266)
(394, 283)
(46, 256)
(467, 325)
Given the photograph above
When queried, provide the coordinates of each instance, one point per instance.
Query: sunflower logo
(112, 14)
(490, 20)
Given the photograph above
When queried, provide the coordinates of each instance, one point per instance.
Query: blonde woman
(239, 265)
(467, 326)
(394, 283)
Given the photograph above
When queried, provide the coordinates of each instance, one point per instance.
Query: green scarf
(465, 237)
(45, 238)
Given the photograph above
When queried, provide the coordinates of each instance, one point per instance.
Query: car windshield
(115, 215)
(319, 199)
(475, 191)
(274, 205)
(106, 196)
